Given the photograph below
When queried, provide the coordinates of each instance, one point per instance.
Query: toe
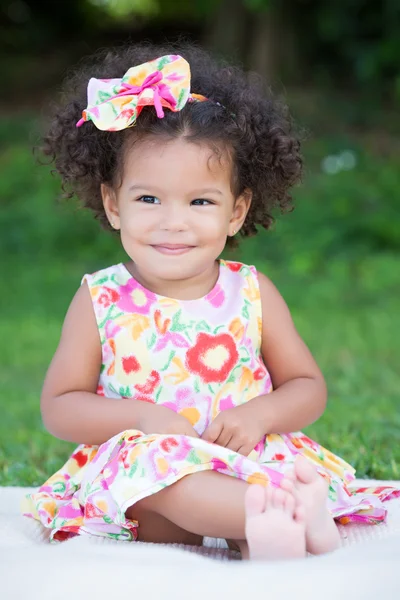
(299, 514)
(289, 504)
(287, 485)
(290, 474)
(305, 471)
(255, 500)
(278, 498)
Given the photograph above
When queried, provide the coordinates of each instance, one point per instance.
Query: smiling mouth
(172, 248)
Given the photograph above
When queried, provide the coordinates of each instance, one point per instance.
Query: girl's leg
(216, 505)
(205, 503)
(157, 529)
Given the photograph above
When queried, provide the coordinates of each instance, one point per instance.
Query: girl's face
(175, 208)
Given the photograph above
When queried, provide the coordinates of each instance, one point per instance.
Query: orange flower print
(165, 336)
(212, 357)
(251, 291)
(259, 325)
(179, 375)
(134, 323)
(162, 326)
(236, 328)
(111, 368)
(246, 379)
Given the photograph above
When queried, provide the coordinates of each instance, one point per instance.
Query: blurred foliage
(354, 43)
(350, 204)
(334, 259)
(120, 9)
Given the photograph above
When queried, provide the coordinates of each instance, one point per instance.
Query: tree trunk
(271, 47)
(226, 32)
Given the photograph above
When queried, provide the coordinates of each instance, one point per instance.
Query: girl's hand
(160, 419)
(238, 429)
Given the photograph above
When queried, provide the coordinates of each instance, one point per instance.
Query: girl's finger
(245, 450)
(234, 444)
(192, 433)
(212, 432)
(224, 439)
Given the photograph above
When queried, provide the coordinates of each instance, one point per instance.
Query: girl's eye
(202, 202)
(149, 200)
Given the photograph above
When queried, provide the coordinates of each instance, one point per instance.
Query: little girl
(181, 375)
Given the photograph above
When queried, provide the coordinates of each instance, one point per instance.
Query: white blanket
(366, 567)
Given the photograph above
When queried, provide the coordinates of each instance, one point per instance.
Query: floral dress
(198, 358)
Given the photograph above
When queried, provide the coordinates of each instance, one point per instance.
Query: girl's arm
(300, 395)
(71, 410)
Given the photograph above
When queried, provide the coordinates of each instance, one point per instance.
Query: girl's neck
(192, 288)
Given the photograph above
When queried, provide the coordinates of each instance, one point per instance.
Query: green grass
(343, 291)
(351, 337)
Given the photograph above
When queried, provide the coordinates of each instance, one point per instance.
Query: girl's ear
(110, 205)
(240, 210)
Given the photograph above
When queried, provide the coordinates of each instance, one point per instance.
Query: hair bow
(114, 104)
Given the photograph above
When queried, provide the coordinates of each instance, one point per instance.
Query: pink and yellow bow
(114, 104)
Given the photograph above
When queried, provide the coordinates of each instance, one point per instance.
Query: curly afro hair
(241, 117)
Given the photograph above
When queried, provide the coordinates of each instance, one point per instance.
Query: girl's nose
(173, 219)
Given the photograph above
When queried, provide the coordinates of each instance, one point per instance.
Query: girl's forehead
(155, 157)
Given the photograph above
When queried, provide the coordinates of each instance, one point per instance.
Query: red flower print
(62, 535)
(168, 444)
(130, 364)
(259, 373)
(91, 511)
(143, 398)
(81, 458)
(212, 357)
(100, 390)
(278, 457)
(108, 296)
(131, 438)
(127, 113)
(234, 266)
(150, 385)
(309, 442)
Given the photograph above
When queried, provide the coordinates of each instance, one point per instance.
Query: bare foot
(311, 491)
(275, 527)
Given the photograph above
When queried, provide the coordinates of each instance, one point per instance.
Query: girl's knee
(153, 527)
